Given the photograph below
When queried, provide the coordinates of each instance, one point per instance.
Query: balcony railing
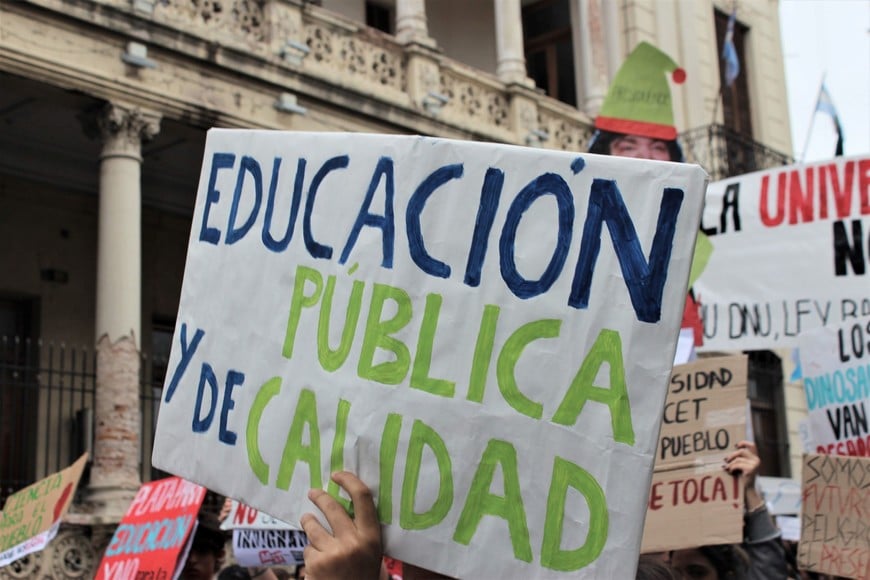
(322, 57)
(725, 153)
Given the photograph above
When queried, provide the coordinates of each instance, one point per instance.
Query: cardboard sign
(245, 517)
(483, 333)
(834, 536)
(31, 517)
(836, 374)
(153, 537)
(252, 547)
(785, 219)
(693, 501)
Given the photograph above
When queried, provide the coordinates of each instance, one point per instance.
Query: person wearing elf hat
(637, 120)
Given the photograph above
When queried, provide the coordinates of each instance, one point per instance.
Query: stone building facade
(105, 105)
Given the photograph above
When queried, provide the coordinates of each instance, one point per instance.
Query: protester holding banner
(761, 556)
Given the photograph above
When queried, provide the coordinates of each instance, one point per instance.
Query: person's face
(640, 148)
(200, 566)
(692, 565)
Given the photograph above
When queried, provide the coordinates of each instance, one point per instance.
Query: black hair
(208, 538)
(729, 560)
(651, 568)
(601, 140)
(234, 572)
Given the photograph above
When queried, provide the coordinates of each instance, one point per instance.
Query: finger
(318, 537)
(365, 513)
(311, 559)
(749, 446)
(740, 466)
(338, 519)
(732, 456)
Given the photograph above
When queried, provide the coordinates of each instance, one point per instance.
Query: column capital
(122, 128)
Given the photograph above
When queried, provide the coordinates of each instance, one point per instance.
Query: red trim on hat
(642, 128)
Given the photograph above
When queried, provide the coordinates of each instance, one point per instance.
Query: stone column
(115, 469)
(411, 22)
(509, 42)
(590, 52)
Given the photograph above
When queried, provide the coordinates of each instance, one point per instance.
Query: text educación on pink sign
(155, 532)
(469, 327)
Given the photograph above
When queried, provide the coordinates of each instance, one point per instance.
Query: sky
(830, 38)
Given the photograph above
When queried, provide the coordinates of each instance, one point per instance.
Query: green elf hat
(639, 99)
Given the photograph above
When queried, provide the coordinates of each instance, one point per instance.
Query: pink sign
(155, 531)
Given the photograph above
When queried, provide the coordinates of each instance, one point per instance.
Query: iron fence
(723, 152)
(47, 402)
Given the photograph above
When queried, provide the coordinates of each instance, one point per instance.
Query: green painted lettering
(377, 335)
(507, 361)
(300, 301)
(420, 378)
(331, 360)
(389, 446)
(336, 459)
(607, 349)
(260, 468)
(481, 502)
(565, 475)
(482, 353)
(295, 451)
(422, 434)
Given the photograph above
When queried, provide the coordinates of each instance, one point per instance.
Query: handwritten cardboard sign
(785, 218)
(31, 517)
(153, 537)
(834, 536)
(836, 374)
(484, 333)
(693, 501)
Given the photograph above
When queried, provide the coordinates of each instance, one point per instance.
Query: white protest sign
(789, 253)
(245, 517)
(790, 526)
(781, 494)
(254, 548)
(836, 375)
(483, 333)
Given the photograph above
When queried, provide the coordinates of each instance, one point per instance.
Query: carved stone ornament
(72, 556)
(29, 566)
(123, 129)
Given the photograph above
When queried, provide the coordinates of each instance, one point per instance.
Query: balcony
(724, 153)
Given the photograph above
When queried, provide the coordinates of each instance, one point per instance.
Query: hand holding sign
(354, 548)
(744, 461)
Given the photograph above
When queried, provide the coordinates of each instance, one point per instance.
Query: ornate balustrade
(301, 45)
